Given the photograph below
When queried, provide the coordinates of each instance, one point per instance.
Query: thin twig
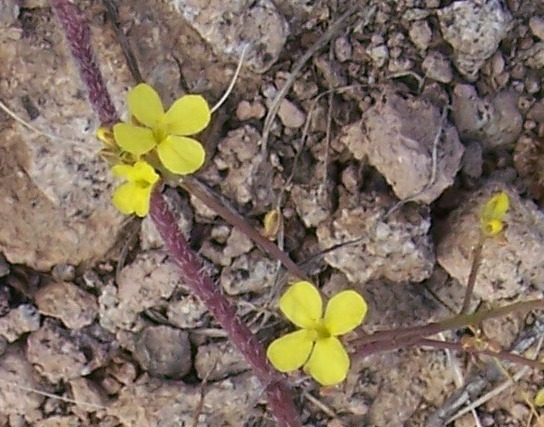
(51, 395)
(475, 266)
(197, 189)
(233, 80)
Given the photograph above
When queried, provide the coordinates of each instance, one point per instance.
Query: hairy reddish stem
(78, 35)
(193, 275)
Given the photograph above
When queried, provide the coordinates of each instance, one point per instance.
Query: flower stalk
(279, 397)
(78, 35)
(193, 275)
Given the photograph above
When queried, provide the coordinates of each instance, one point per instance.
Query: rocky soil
(341, 110)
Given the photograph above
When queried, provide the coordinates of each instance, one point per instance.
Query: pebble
(437, 67)
(421, 34)
(290, 115)
(536, 24)
(250, 110)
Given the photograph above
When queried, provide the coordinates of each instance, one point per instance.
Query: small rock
(472, 164)
(228, 402)
(512, 264)
(219, 360)
(379, 54)
(495, 122)
(14, 368)
(343, 48)
(55, 354)
(399, 248)
(437, 67)
(187, 313)
(474, 29)
(229, 27)
(290, 115)
(421, 34)
(59, 421)
(249, 273)
(536, 24)
(85, 390)
(164, 351)
(250, 110)
(399, 134)
(4, 266)
(65, 301)
(25, 318)
(312, 204)
(237, 244)
(63, 272)
(149, 281)
(534, 56)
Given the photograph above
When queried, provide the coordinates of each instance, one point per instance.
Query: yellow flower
(167, 132)
(491, 217)
(316, 345)
(133, 196)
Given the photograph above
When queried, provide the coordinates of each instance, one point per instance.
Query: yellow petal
(345, 311)
(291, 351)
(136, 140)
(496, 206)
(141, 171)
(539, 398)
(141, 201)
(302, 304)
(329, 362)
(123, 197)
(145, 104)
(181, 155)
(188, 115)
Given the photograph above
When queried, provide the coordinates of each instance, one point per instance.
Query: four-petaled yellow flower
(167, 132)
(316, 346)
(133, 196)
(491, 217)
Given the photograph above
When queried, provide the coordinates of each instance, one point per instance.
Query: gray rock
(399, 248)
(65, 301)
(229, 26)
(149, 281)
(496, 122)
(25, 318)
(14, 368)
(511, 263)
(56, 355)
(219, 360)
(164, 351)
(474, 29)
(397, 136)
(437, 67)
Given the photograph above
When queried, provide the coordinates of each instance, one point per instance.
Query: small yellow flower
(539, 398)
(491, 217)
(167, 132)
(133, 196)
(316, 345)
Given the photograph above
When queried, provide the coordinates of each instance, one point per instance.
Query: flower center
(322, 331)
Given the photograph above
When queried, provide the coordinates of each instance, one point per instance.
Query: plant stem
(476, 261)
(78, 35)
(194, 276)
(195, 188)
(398, 338)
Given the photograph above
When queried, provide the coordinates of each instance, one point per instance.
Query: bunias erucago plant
(154, 142)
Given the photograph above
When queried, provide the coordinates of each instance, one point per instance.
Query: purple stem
(192, 274)
(78, 35)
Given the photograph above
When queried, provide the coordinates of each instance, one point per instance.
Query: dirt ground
(341, 110)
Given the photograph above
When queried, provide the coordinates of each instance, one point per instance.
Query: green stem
(396, 338)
